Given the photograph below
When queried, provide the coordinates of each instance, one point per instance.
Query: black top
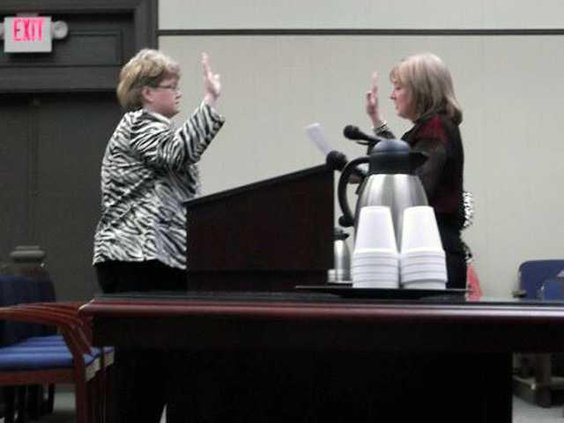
(438, 137)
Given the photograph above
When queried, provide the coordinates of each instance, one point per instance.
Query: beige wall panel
(499, 14)
(509, 86)
(398, 14)
(315, 14)
(520, 165)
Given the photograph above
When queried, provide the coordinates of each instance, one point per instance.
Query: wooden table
(359, 359)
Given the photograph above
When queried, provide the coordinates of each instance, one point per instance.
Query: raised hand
(372, 106)
(212, 83)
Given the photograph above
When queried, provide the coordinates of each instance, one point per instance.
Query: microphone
(353, 133)
(336, 160)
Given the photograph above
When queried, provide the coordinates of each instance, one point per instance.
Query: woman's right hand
(212, 82)
(372, 107)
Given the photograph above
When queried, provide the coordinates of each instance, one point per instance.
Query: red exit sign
(28, 29)
(27, 34)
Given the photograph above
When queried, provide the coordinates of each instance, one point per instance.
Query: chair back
(552, 290)
(14, 290)
(533, 273)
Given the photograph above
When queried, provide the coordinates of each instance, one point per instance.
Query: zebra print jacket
(148, 170)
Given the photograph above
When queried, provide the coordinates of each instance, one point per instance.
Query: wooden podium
(266, 236)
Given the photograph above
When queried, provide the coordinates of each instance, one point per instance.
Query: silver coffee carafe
(342, 257)
(390, 181)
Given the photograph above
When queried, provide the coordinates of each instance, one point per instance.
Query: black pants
(120, 276)
(455, 256)
(140, 376)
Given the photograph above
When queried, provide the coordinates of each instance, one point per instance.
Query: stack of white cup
(422, 258)
(375, 261)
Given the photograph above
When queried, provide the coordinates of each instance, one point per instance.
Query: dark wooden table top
(313, 320)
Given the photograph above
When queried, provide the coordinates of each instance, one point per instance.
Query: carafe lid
(393, 156)
(391, 146)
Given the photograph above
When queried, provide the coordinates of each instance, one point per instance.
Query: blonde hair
(147, 68)
(430, 84)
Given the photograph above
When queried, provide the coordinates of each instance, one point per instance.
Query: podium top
(277, 180)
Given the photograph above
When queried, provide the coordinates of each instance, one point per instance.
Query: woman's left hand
(212, 83)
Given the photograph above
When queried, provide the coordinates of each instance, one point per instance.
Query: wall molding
(358, 32)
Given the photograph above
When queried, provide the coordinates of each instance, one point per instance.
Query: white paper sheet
(316, 135)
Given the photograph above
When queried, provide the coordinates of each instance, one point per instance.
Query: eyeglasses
(168, 87)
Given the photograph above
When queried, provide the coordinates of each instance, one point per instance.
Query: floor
(523, 412)
(64, 408)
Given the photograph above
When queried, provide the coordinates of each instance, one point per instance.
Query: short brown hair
(147, 68)
(430, 84)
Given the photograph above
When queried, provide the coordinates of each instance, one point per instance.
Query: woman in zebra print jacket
(148, 170)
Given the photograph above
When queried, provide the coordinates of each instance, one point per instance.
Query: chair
(33, 362)
(16, 289)
(536, 378)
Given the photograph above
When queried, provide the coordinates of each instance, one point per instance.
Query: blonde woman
(423, 93)
(149, 170)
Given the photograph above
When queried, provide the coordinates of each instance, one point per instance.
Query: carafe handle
(347, 219)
